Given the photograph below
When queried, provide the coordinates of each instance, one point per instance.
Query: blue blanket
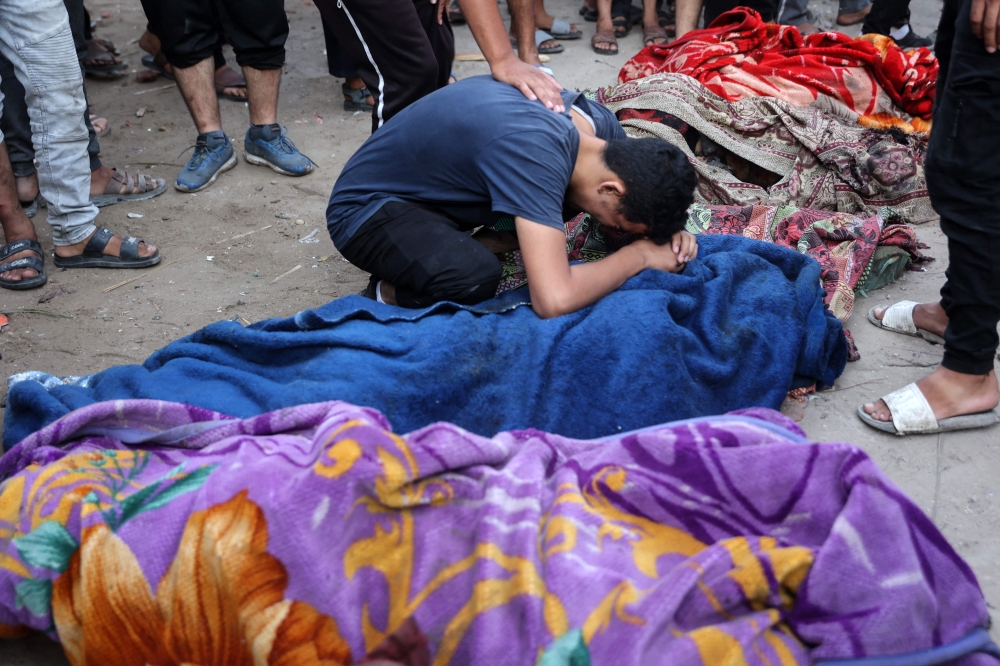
(737, 329)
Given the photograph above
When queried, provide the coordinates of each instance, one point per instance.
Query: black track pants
(963, 176)
(396, 46)
(426, 255)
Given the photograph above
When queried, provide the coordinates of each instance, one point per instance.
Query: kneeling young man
(477, 151)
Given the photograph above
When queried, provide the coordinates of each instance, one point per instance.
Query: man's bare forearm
(487, 27)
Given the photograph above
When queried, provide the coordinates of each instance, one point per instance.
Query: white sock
(378, 292)
(899, 33)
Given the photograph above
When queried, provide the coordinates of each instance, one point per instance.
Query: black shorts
(427, 256)
(189, 30)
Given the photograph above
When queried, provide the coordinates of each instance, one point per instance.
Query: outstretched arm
(484, 20)
(557, 288)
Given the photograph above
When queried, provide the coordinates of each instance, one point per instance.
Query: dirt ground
(209, 274)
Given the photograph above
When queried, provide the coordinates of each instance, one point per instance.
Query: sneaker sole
(230, 163)
(260, 161)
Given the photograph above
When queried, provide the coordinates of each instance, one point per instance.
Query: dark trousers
(427, 256)
(768, 9)
(396, 46)
(337, 62)
(15, 123)
(963, 176)
(886, 15)
(189, 30)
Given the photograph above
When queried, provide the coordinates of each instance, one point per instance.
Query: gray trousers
(35, 37)
(15, 123)
(796, 12)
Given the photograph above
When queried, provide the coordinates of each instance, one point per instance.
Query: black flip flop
(589, 15)
(38, 263)
(149, 62)
(93, 255)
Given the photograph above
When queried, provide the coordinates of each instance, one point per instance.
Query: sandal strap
(20, 246)
(24, 262)
(100, 239)
(910, 410)
(129, 183)
(899, 317)
(357, 95)
(130, 248)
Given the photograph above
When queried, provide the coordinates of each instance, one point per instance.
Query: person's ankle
(214, 138)
(268, 131)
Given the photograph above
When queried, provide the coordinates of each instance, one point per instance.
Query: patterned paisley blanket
(144, 532)
(869, 79)
(774, 153)
(843, 245)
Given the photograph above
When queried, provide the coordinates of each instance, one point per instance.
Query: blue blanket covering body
(734, 330)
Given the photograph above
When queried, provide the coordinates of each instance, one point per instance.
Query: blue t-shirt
(476, 150)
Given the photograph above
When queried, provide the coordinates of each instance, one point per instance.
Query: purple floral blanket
(145, 532)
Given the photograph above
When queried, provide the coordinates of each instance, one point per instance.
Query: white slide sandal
(898, 318)
(912, 415)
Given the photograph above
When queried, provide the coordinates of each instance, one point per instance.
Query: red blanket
(739, 55)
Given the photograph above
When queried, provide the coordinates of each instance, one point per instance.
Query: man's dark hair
(659, 184)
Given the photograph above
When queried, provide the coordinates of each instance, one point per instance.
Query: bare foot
(100, 124)
(950, 394)
(18, 228)
(928, 316)
(112, 249)
(27, 191)
(807, 28)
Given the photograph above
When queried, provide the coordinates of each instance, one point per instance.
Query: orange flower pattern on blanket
(223, 597)
(221, 602)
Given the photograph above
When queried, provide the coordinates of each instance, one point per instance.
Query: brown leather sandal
(101, 63)
(650, 35)
(125, 186)
(226, 77)
(604, 37)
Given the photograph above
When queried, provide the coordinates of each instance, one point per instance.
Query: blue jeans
(35, 36)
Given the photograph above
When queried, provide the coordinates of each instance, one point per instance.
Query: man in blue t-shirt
(473, 153)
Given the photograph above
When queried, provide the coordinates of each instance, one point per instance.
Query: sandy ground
(953, 477)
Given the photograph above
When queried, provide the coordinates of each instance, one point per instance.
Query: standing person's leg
(21, 260)
(688, 14)
(892, 19)
(35, 36)
(604, 41)
(522, 27)
(257, 29)
(963, 175)
(188, 34)
(356, 95)
(16, 127)
(794, 12)
(440, 36)
(388, 47)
